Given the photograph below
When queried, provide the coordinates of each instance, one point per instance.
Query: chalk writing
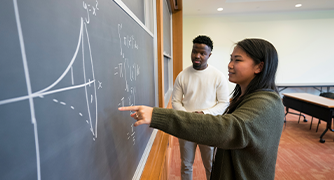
(90, 9)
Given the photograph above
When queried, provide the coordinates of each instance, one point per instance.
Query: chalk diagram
(90, 85)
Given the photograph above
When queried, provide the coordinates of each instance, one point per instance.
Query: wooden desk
(316, 106)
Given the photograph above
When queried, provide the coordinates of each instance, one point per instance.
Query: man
(200, 88)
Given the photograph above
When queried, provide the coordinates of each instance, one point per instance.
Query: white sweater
(201, 90)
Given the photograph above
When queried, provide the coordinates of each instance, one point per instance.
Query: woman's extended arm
(258, 114)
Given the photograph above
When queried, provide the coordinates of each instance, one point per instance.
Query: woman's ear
(259, 67)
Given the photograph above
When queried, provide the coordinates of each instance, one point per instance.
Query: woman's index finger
(129, 108)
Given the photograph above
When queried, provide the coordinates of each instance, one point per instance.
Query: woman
(248, 134)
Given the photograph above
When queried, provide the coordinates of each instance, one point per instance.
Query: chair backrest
(327, 95)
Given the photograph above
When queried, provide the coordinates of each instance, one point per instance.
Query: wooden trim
(155, 163)
(175, 8)
(177, 20)
(160, 44)
(168, 156)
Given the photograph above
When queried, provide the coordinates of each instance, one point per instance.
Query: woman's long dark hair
(260, 51)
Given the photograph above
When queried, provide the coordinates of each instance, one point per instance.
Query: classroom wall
(304, 41)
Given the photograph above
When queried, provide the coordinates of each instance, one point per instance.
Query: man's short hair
(203, 40)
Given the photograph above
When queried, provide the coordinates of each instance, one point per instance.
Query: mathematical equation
(127, 41)
(128, 70)
(90, 9)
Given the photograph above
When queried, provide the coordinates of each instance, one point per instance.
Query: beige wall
(304, 41)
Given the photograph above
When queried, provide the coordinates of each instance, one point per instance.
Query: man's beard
(196, 66)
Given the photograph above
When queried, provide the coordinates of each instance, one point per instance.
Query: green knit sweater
(246, 140)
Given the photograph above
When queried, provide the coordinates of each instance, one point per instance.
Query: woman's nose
(230, 65)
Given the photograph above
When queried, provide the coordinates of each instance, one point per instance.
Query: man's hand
(199, 112)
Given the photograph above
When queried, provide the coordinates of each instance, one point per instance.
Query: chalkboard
(167, 29)
(137, 7)
(166, 74)
(66, 66)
